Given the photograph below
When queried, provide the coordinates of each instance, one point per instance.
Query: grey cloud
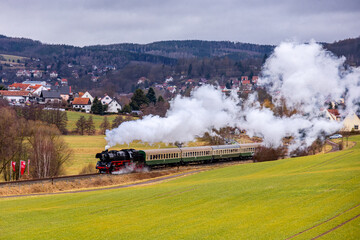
(88, 22)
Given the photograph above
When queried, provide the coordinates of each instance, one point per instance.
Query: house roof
(21, 86)
(50, 94)
(334, 112)
(14, 93)
(64, 90)
(81, 101)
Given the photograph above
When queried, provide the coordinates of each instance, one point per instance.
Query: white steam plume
(304, 75)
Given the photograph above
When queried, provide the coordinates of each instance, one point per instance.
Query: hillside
(298, 198)
(118, 67)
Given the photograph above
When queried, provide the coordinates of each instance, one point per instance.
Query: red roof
(64, 80)
(14, 93)
(21, 86)
(334, 112)
(81, 101)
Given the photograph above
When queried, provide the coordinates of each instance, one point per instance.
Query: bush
(90, 168)
(263, 154)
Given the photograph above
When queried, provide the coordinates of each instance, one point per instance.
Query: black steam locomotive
(110, 161)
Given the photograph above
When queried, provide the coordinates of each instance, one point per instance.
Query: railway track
(50, 179)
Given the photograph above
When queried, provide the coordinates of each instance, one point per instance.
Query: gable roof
(64, 90)
(20, 86)
(14, 93)
(334, 112)
(81, 101)
(50, 94)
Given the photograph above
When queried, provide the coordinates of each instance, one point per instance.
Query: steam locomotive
(111, 161)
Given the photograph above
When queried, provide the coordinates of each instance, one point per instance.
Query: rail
(49, 179)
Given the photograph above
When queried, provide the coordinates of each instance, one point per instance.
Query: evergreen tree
(104, 125)
(151, 96)
(161, 99)
(97, 107)
(138, 99)
(90, 127)
(126, 109)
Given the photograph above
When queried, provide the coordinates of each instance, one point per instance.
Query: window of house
(356, 127)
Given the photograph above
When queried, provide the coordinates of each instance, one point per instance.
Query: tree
(90, 127)
(138, 99)
(104, 125)
(81, 125)
(12, 148)
(190, 70)
(161, 99)
(117, 121)
(151, 96)
(126, 109)
(48, 151)
(97, 107)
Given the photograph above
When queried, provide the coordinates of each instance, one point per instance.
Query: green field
(270, 200)
(74, 116)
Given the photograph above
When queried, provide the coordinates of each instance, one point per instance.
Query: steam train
(111, 161)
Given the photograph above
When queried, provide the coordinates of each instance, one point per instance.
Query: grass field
(270, 200)
(12, 57)
(74, 116)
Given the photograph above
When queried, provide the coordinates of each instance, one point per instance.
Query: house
(36, 89)
(106, 100)
(82, 103)
(254, 79)
(44, 83)
(54, 74)
(244, 78)
(18, 86)
(23, 73)
(169, 79)
(351, 123)
(113, 107)
(64, 82)
(332, 115)
(50, 97)
(15, 97)
(37, 73)
(189, 81)
(142, 80)
(65, 91)
(87, 95)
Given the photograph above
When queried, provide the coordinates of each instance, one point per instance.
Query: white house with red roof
(82, 103)
(15, 97)
(64, 82)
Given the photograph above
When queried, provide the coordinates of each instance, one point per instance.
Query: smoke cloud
(302, 75)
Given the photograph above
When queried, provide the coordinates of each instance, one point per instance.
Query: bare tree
(90, 127)
(81, 125)
(48, 150)
(104, 125)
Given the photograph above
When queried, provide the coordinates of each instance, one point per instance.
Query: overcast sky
(90, 22)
